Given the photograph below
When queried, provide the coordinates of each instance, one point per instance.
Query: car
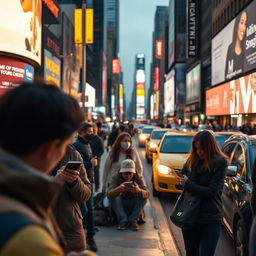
(202, 127)
(221, 137)
(145, 133)
(168, 159)
(237, 189)
(153, 141)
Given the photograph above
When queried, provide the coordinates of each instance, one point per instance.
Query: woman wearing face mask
(122, 149)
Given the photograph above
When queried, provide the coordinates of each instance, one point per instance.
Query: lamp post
(84, 56)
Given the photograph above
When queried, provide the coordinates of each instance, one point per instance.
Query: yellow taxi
(145, 133)
(153, 141)
(169, 158)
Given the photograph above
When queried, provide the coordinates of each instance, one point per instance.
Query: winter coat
(67, 211)
(207, 185)
(26, 191)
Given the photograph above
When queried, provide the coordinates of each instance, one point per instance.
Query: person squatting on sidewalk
(77, 188)
(37, 123)
(85, 134)
(127, 194)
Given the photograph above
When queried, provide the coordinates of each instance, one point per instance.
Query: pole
(83, 56)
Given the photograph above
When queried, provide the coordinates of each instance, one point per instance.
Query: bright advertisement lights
(116, 66)
(193, 79)
(169, 94)
(90, 94)
(121, 101)
(235, 97)
(140, 76)
(157, 79)
(159, 48)
(21, 28)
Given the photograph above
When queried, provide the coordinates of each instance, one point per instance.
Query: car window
(238, 160)
(147, 130)
(176, 144)
(221, 138)
(157, 135)
(228, 149)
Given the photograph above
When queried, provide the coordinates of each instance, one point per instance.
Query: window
(176, 144)
(239, 160)
(228, 149)
(157, 135)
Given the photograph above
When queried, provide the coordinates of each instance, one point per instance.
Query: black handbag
(186, 210)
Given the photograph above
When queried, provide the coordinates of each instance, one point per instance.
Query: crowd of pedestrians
(50, 172)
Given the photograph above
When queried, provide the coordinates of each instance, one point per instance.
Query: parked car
(168, 159)
(145, 133)
(153, 141)
(221, 137)
(237, 190)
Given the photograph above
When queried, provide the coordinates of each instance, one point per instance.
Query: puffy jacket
(26, 191)
(66, 209)
(84, 148)
(207, 185)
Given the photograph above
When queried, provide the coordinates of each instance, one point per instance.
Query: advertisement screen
(234, 97)
(169, 94)
(180, 85)
(233, 49)
(171, 44)
(193, 85)
(13, 72)
(21, 28)
(104, 78)
(51, 68)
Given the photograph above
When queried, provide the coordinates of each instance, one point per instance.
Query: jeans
(127, 209)
(201, 240)
(88, 216)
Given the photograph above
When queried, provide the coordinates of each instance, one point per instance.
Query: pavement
(154, 237)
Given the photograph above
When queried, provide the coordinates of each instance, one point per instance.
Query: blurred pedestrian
(122, 149)
(66, 210)
(128, 194)
(97, 146)
(204, 175)
(113, 135)
(37, 123)
(101, 132)
(82, 145)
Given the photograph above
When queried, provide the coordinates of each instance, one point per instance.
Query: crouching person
(128, 194)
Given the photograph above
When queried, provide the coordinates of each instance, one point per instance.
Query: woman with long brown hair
(122, 149)
(204, 175)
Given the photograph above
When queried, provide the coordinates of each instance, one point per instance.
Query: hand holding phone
(179, 173)
(128, 183)
(73, 165)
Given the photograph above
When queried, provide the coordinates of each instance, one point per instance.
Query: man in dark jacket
(97, 146)
(83, 147)
(66, 209)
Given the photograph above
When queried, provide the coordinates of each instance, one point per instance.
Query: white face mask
(125, 145)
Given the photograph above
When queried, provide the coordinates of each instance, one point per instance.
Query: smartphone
(74, 165)
(179, 173)
(128, 182)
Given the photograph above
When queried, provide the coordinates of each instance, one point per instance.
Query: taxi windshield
(147, 130)
(176, 144)
(157, 135)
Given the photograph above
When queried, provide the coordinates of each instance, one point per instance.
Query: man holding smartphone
(128, 195)
(85, 134)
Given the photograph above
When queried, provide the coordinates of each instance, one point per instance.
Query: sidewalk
(153, 239)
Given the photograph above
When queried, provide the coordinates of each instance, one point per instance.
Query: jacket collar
(20, 181)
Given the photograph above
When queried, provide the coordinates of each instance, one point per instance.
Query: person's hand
(123, 187)
(134, 188)
(67, 175)
(94, 162)
(182, 180)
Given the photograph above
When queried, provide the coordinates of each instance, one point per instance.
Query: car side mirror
(152, 150)
(232, 170)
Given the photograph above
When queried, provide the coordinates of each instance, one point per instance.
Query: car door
(228, 150)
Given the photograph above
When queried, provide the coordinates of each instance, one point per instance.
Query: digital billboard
(14, 72)
(235, 97)
(233, 49)
(21, 28)
(169, 93)
(193, 85)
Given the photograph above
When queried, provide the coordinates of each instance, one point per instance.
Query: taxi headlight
(142, 137)
(152, 145)
(164, 169)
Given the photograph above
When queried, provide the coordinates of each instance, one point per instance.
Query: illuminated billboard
(169, 94)
(235, 97)
(116, 66)
(14, 72)
(21, 28)
(193, 85)
(233, 49)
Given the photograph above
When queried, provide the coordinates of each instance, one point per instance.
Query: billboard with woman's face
(193, 85)
(233, 49)
(21, 28)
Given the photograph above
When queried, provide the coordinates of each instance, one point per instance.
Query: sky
(136, 27)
